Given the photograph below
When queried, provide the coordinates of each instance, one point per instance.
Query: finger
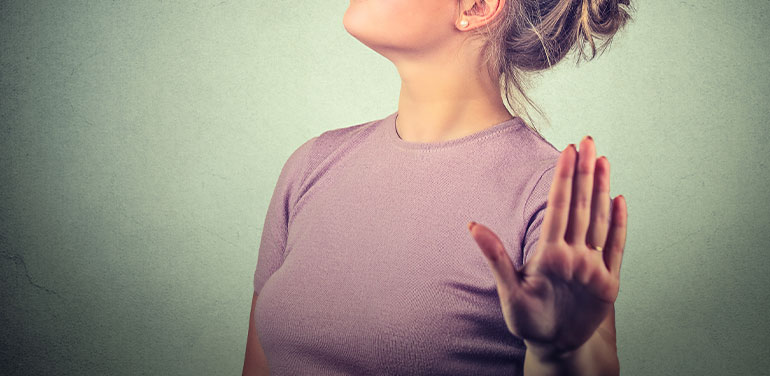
(582, 190)
(600, 204)
(616, 240)
(502, 267)
(557, 207)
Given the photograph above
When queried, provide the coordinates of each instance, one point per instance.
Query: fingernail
(470, 225)
(589, 137)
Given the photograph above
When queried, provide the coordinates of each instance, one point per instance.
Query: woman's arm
(255, 363)
(597, 356)
(561, 302)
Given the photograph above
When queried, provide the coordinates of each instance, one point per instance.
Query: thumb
(502, 267)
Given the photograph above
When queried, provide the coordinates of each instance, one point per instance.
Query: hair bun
(599, 19)
(533, 35)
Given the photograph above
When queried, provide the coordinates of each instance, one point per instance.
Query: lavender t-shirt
(366, 265)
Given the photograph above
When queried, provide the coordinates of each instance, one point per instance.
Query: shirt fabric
(366, 265)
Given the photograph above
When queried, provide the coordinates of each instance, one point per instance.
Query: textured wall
(140, 142)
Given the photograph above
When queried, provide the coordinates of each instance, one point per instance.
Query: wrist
(594, 357)
(547, 352)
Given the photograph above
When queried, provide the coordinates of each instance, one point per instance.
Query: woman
(364, 266)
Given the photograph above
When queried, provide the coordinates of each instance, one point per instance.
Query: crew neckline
(393, 137)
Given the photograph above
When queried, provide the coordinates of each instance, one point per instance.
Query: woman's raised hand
(569, 286)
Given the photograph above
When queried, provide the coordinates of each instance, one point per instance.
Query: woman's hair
(533, 35)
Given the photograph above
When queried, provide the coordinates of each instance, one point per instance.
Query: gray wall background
(140, 142)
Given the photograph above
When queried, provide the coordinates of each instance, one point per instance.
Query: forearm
(254, 362)
(597, 356)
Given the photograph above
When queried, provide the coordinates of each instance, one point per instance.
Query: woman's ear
(475, 13)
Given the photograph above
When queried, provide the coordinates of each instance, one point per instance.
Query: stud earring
(464, 23)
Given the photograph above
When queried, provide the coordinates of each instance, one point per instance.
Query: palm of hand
(568, 287)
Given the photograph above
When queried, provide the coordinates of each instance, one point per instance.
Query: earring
(464, 23)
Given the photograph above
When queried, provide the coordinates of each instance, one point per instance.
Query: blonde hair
(533, 35)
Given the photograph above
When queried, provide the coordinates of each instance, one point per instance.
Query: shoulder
(540, 152)
(327, 142)
(522, 157)
(321, 150)
(540, 157)
(522, 163)
(324, 143)
(543, 158)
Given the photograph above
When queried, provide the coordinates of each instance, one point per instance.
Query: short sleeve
(534, 212)
(275, 228)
